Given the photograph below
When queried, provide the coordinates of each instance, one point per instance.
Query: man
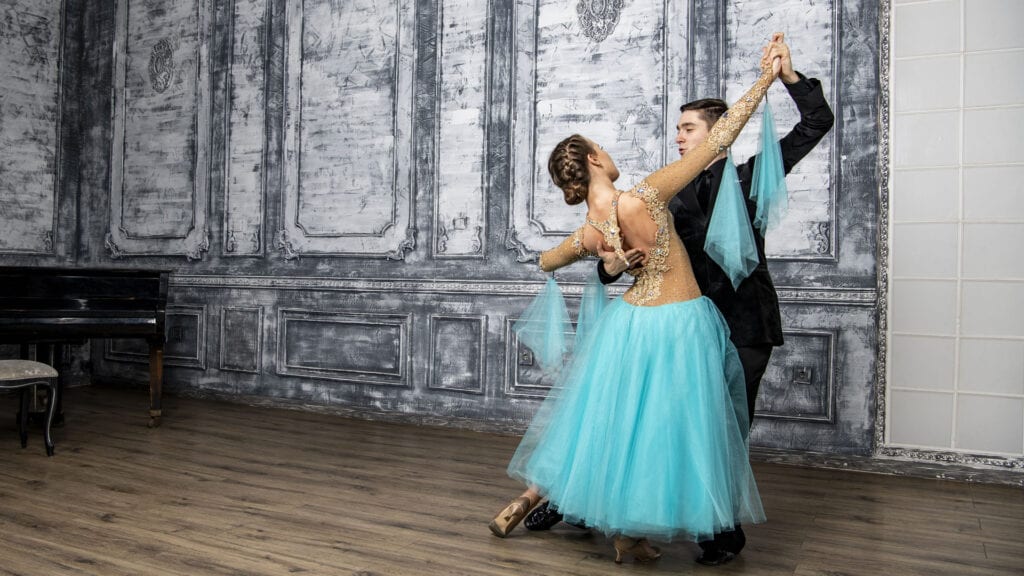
(752, 310)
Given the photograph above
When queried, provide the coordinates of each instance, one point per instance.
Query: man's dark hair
(710, 109)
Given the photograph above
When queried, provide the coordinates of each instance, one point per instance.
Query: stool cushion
(22, 369)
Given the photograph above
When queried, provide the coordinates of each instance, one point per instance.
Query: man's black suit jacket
(752, 311)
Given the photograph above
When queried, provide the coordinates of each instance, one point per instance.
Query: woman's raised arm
(669, 180)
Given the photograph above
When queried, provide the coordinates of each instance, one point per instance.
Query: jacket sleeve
(816, 119)
(603, 274)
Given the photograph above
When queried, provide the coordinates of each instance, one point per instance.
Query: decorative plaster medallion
(599, 17)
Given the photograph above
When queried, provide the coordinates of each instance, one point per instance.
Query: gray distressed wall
(352, 193)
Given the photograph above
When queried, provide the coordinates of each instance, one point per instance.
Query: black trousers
(755, 361)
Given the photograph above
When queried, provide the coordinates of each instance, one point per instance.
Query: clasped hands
(613, 265)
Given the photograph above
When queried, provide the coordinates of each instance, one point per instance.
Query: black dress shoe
(715, 557)
(542, 517)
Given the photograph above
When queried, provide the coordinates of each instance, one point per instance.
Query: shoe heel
(509, 517)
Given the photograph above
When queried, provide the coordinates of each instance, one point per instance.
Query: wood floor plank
(226, 488)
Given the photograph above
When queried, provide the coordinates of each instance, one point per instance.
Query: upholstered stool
(23, 375)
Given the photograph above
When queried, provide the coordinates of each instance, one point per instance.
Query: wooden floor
(231, 489)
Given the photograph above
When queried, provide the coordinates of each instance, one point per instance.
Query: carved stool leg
(23, 414)
(52, 395)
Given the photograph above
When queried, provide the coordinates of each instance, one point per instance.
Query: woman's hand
(614, 265)
(773, 54)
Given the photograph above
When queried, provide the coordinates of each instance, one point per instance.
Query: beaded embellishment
(650, 278)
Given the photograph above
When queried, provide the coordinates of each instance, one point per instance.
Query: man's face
(691, 130)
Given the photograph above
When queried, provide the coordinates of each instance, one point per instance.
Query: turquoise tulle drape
(768, 185)
(595, 300)
(730, 239)
(544, 325)
(643, 432)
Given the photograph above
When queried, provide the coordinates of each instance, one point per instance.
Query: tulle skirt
(645, 431)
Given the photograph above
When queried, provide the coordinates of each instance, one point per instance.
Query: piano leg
(156, 381)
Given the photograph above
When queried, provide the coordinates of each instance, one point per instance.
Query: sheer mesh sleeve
(570, 250)
(673, 177)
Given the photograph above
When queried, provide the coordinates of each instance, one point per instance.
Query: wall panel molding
(241, 339)
(348, 153)
(837, 296)
(523, 375)
(159, 179)
(246, 131)
(555, 66)
(359, 348)
(808, 233)
(463, 78)
(458, 352)
(799, 385)
(185, 346)
(32, 49)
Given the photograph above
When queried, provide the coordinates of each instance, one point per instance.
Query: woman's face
(607, 164)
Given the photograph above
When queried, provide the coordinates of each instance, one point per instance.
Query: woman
(648, 435)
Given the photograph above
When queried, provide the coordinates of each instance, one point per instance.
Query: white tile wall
(956, 342)
(925, 139)
(990, 424)
(926, 250)
(930, 194)
(993, 24)
(994, 193)
(923, 306)
(993, 135)
(993, 366)
(993, 309)
(993, 251)
(910, 372)
(921, 418)
(927, 84)
(941, 35)
(994, 78)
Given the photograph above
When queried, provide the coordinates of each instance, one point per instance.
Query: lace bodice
(667, 276)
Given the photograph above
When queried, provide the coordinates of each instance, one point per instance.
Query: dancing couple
(647, 434)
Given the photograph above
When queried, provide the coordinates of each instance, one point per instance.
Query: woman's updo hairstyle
(568, 168)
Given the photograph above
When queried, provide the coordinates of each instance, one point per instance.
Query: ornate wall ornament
(196, 252)
(161, 65)
(884, 14)
(283, 243)
(822, 240)
(111, 246)
(512, 242)
(598, 17)
(404, 247)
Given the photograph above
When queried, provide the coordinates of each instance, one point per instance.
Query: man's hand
(614, 265)
(778, 49)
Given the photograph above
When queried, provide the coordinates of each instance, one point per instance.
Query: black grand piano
(51, 307)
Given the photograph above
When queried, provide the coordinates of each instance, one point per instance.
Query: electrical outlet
(525, 357)
(803, 375)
